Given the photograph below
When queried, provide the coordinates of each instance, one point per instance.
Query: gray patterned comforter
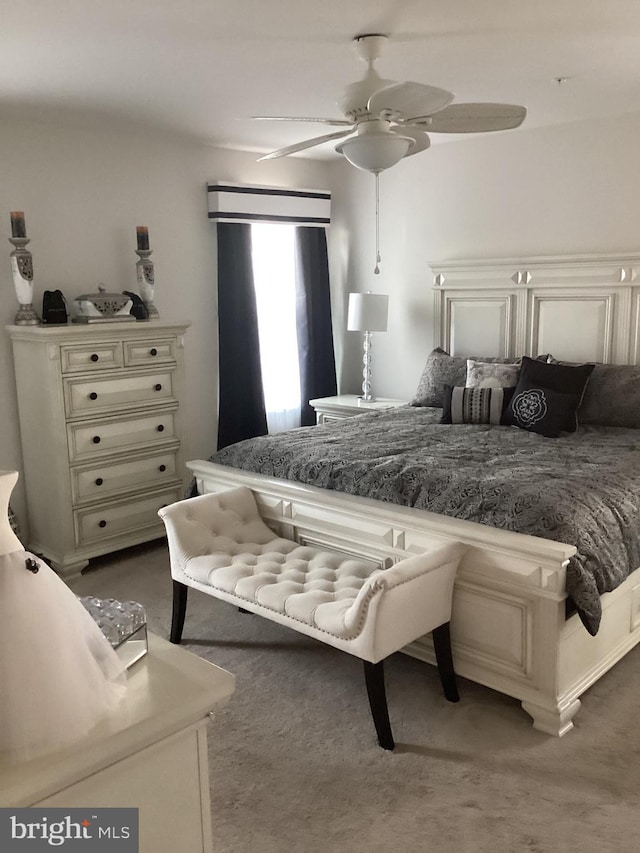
(582, 489)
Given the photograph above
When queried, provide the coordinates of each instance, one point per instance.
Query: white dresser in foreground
(102, 431)
(151, 755)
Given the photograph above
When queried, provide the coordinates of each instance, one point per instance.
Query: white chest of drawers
(102, 433)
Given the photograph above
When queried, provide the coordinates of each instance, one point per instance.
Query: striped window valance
(244, 203)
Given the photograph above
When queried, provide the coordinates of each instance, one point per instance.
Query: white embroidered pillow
(484, 374)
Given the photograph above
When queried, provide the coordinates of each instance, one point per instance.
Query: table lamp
(367, 313)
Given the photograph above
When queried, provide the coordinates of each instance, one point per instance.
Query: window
(291, 285)
(273, 261)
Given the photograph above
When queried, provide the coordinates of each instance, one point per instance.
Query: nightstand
(330, 409)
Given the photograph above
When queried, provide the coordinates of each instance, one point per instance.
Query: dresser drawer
(110, 479)
(99, 356)
(117, 519)
(100, 394)
(143, 353)
(89, 441)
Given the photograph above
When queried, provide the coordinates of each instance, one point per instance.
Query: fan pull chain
(378, 259)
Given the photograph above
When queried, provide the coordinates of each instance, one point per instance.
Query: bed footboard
(508, 625)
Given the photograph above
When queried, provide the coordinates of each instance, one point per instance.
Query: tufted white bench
(218, 544)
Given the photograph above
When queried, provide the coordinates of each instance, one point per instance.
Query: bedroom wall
(556, 190)
(84, 188)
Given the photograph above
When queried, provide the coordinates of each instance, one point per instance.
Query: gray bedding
(582, 489)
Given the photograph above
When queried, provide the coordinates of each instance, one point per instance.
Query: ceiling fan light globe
(375, 152)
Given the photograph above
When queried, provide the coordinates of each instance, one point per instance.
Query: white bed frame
(509, 627)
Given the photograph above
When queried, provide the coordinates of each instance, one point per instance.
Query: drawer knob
(160, 427)
(99, 481)
(162, 468)
(93, 396)
(153, 351)
(96, 439)
(157, 387)
(95, 356)
(102, 523)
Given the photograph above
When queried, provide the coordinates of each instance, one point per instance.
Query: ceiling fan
(386, 120)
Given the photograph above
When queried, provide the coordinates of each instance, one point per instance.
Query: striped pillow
(474, 405)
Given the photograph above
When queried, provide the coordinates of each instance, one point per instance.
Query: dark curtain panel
(313, 318)
(241, 405)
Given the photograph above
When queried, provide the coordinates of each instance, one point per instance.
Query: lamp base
(362, 399)
(366, 396)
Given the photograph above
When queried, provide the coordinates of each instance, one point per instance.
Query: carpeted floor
(295, 764)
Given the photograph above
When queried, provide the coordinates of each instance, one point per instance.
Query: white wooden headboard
(580, 308)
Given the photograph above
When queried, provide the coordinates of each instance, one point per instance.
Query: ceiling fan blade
(402, 100)
(421, 140)
(337, 122)
(472, 118)
(309, 143)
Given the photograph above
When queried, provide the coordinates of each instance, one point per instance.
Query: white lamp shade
(375, 152)
(367, 312)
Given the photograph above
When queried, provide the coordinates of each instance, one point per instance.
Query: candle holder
(22, 270)
(146, 281)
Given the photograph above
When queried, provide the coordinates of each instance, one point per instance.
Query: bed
(548, 594)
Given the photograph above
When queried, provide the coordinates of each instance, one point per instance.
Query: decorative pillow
(462, 405)
(540, 410)
(612, 396)
(561, 378)
(487, 374)
(443, 369)
(440, 369)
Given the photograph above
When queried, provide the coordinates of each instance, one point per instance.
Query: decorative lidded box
(124, 624)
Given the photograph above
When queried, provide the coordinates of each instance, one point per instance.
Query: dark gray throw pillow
(540, 410)
(612, 396)
(561, 378)
(443, 369)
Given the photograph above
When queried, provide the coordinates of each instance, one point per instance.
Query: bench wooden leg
(179, 611)
(374, 677)
(442, 647)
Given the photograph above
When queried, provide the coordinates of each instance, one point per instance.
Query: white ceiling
(202, 67)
